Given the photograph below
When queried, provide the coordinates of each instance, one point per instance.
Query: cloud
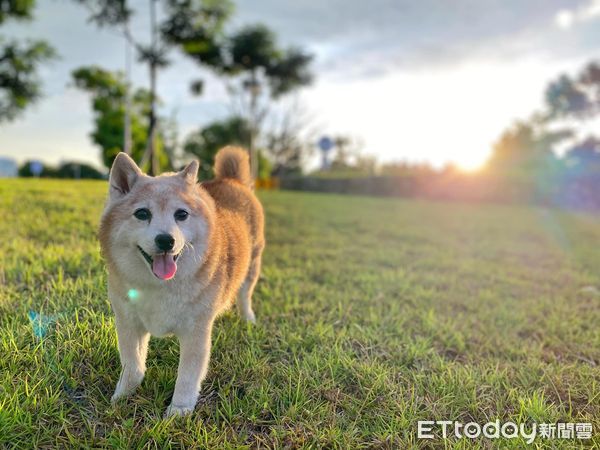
(369, 39)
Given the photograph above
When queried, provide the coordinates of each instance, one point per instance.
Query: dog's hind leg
(244, 300)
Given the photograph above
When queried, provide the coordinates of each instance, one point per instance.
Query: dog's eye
(143, 214)
(181, 214)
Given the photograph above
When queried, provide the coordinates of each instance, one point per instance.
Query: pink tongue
(163, 266)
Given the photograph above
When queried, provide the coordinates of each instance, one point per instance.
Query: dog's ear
(190, 172)
(123, 175)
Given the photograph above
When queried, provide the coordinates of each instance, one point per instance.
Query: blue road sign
(36, 168)
(325, 143)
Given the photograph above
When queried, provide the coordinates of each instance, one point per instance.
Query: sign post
(36, 168)
(325, 145)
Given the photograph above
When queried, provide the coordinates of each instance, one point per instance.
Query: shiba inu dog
(178, 254)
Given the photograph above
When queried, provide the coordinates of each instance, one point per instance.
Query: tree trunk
(153, 157)
(127, 125)
(254, 91)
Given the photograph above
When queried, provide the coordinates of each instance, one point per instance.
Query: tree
(290, 139)
(47, 171)
(264, 72)
(347, 154)
(577, 97)
(65, 170)
(526, 149)
(191, 24)
(205, 143)
(19, 84)
(78, 170)
(584, 156)
(108, 92)
(169, 134)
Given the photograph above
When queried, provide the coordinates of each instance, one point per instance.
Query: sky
(433, 81)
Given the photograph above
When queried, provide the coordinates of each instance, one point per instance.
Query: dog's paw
(128, 383)
(178, 410)
(249, 316)
(118, 396)
(122, 392)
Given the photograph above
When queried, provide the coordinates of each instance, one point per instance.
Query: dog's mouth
(163, 265)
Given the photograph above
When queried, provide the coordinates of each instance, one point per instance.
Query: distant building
(8, 168)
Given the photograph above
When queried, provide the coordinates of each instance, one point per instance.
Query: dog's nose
(164, 242)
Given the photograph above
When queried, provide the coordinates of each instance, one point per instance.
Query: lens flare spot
(133, 295)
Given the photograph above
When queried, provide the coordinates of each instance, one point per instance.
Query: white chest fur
(168, 309)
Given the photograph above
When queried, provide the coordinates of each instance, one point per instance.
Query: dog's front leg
(193, 364)
(133, 348)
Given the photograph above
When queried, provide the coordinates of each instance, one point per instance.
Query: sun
(470, 163)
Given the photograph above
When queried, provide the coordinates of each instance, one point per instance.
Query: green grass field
(372, 314)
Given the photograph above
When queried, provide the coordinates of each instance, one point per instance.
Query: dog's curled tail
(233, 162)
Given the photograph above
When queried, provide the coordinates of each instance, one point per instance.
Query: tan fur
(221, 244)
(232, 162)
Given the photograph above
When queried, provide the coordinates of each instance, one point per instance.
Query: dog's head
(155, 228)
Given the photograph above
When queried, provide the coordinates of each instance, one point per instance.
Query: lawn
(372, 314)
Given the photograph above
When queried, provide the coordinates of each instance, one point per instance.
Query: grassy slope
(372, 313)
